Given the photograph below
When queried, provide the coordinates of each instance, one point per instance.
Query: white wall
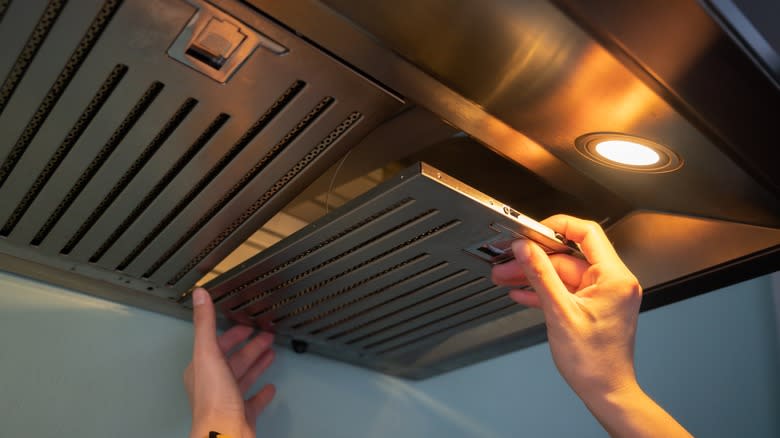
(72, 365)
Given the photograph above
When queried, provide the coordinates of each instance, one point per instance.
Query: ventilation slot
(420, 217)
(323, 145)
(274, 152)
(60, 84)
(102, 95)
(376, 258)
(417, 239)
(415, 306)
(34, 42)
(391, 209)
(426, 287)
(342, 307)
(451, 327)
(119, 134)
(131, 172)
(242, 142)
(4, 7)
(352, 287)
(177, 167)
(420, 290)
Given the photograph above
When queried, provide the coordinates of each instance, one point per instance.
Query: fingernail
(199, 296)
(522, 250)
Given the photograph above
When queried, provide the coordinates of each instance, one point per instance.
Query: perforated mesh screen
(125, 167)
(383, 281)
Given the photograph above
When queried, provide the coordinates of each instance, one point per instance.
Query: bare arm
(216, 380)
(632, 413)
(591, 309)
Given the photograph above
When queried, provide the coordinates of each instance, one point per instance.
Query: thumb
(204, 320)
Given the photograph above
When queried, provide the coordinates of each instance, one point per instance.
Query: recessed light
(626, 152)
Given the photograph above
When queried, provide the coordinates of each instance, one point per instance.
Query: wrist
(618, 407)
(629, 412)
(231, 426)
(594, 386)
(614, 397)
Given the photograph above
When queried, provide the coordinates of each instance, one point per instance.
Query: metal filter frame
(388, 281)
(127, 174)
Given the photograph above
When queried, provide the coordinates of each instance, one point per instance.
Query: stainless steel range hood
(127, 165)
(146, 144)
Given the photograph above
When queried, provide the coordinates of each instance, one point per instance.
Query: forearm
(632, 413)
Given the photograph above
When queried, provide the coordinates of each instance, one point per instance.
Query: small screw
(299, 346)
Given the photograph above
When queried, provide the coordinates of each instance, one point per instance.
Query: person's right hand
(591, 309)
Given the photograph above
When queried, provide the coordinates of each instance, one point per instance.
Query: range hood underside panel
(125, 164)
(129, 175)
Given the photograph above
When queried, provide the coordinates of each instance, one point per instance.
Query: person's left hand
(216, 380)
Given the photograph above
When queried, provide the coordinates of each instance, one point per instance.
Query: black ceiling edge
(729, 273)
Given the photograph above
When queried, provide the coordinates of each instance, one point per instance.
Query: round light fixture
(628, 153)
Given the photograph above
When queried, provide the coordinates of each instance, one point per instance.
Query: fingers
(588, 234)
(241, 360)
(256, 404)
(540, 272)
(526, 298)
(204, 321)
(508, 274)
(256, 370)
(569, 268)
(234, 336)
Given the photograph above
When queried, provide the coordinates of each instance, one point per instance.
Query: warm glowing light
(627, 152)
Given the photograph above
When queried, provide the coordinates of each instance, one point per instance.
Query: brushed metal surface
(333, 30)
(525, 69)
(661, 247)
(697, 56)
(109, 159)
(383, 277)
(385, 280)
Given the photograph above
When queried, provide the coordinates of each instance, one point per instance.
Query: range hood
(152, 146)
